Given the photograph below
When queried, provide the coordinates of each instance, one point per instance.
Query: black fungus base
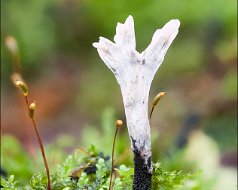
(142, 174)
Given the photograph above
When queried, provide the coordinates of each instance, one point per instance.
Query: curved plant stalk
(134, 72)
(18, 81)
(31, 111)
(156, 101)
(81, 149)
(118, 124)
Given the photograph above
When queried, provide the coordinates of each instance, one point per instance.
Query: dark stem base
(142, 172)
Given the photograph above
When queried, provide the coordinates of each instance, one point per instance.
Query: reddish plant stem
(43, 153)
(29, 145)
(41, 146)
(113, 146)
(27, 102)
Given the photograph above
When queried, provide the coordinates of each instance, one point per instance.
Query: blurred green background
(75, 91)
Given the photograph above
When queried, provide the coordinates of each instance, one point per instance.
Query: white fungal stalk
(134, 72)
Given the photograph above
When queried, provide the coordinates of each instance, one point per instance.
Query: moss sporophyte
(134, 72)
(19, 83)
